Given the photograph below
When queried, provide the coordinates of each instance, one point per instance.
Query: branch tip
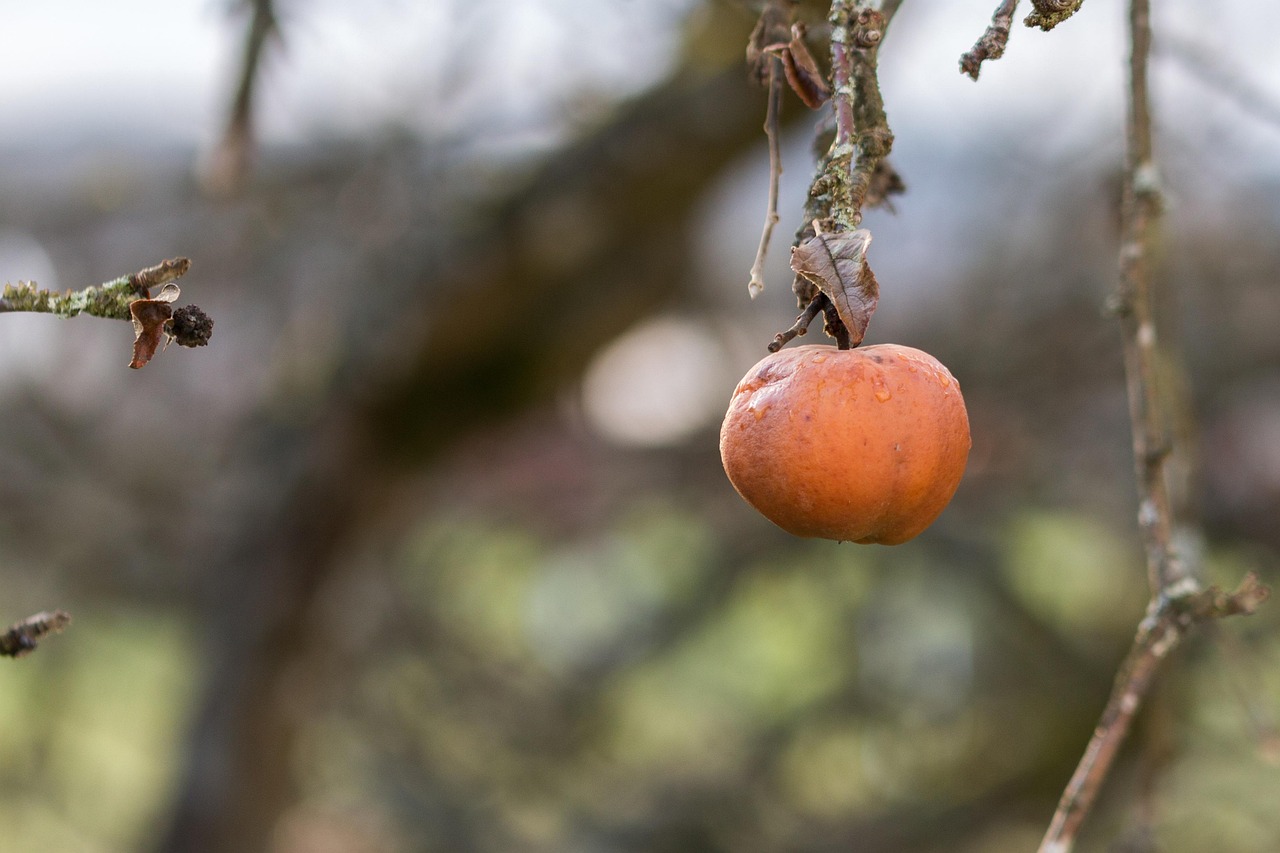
(23, 637)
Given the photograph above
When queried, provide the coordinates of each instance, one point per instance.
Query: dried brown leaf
(802, 72)
(836, 263)
(770, 31)
(149, 319)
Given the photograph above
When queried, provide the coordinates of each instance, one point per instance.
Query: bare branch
(228, 166)
(1136, 299)
(23, 637)
(110, 299)
(1177, 601)
(993, 42)
(1158, 635)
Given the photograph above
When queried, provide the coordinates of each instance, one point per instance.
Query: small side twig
(993, 42)
(808, 315)
(23, 637)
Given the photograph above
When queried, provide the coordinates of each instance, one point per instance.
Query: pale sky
(85, 67)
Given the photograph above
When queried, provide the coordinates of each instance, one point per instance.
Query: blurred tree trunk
(543, 313)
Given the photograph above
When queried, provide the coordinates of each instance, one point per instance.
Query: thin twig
(23, 637)
(993, 42)
(801, 325)
(756, 284)
(1136, 300)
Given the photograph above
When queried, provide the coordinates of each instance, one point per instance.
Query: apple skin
(862, 445)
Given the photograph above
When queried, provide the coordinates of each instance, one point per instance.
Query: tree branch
(993, 42)
(1177, 601)
(1158, 635)
(853, 173)
(228, 166)
(110, 299)
(756, 284)
(23, 637)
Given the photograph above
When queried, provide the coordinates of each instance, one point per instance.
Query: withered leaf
(801, 70)
(149, 319)
(836, 263)
(770, 30)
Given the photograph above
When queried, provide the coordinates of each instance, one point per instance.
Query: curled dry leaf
(801, 69)
(770, 31)
(149, 319)
(836, 263)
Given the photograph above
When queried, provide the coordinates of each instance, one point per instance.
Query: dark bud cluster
(190, 326)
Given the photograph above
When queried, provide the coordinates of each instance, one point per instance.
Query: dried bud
(868, 29)
(191, 327)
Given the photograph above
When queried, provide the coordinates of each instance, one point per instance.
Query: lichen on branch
(110, 299)
(853, 173)
(1049, 13)
(155, 321)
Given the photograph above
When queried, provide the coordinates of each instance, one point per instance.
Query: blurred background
(430, 549)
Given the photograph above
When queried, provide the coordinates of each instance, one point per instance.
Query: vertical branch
(1136, 302)
(1178, 603)
(229, 165)
(862, 128)
(854, 172)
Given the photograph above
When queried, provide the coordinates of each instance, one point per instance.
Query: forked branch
(1178, 603)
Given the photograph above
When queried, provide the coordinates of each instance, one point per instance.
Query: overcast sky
(85, 67)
